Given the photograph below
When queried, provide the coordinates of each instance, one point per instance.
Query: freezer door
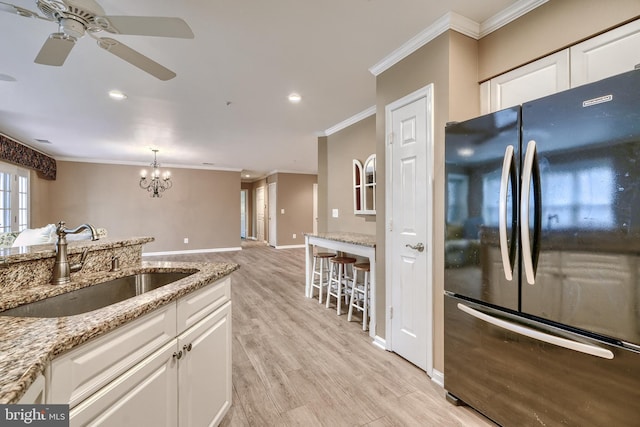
(482, 167)
(540, 379)
(585, 266)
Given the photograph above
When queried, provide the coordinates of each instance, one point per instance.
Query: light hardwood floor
(296, 363)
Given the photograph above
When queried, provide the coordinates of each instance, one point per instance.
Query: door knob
(419, 247)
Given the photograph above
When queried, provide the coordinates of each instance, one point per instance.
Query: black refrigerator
(542, 259)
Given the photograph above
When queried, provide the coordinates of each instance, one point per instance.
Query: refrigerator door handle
(527, 169)
(502, 212)
(590, 349)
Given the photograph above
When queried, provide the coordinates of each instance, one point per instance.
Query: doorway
(273, 241)
(409, 181)
(260, 206)
(243, 213)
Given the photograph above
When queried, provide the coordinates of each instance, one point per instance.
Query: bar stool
(360, 294)
(339, 280)
(320, 273)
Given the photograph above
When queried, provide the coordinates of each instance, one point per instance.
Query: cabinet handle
(187, 347)
(177, 355)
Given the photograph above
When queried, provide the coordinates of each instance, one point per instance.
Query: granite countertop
(27, 345)
(347, 237)
(35, 252)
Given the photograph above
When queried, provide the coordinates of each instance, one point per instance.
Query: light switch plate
(334, 213)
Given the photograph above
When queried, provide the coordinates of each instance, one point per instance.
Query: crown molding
(143, 164)
(350, 121)
(509, 14)
(459, 23)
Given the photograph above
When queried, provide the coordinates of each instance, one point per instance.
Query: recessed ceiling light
(117, 95)
(294, 97)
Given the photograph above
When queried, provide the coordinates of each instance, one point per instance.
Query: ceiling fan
(76, 18)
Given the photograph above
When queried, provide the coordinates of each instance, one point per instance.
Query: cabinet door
(146, 395)
(204, 372)
(543, 77)
(606, 55)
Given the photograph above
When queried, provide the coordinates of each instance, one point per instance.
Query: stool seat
(365, 266)
(320, 272)
(339, 280)
(324, 255)
(343, 260)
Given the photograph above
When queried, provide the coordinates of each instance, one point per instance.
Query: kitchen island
(359, 244)
(30, 345)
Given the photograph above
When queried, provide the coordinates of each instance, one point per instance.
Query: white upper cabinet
(606, 55)
(543, 77)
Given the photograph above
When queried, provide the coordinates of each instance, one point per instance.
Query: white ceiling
(228, 104)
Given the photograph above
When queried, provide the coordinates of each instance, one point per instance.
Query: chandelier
(155, 184)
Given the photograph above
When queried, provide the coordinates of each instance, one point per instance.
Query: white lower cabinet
(183, 381)
(204, 374)
(146, 395)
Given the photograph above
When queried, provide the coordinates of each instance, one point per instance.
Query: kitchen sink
(96, 296)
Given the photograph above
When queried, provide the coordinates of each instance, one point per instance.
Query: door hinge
(391, 224)
(390, 312)
(390, 138)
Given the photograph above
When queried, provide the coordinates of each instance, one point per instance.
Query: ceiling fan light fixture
(117, 95)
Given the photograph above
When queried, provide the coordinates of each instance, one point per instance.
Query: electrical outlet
(294, 235)
(186, 240)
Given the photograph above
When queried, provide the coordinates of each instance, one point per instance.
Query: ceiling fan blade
(135, 58)
(146, 26)
(11, 8)
(56, 49)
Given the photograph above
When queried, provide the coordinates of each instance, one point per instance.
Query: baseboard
(193, 251)
(380, 342)
(438, 377)
(250, 238)
(289, 247)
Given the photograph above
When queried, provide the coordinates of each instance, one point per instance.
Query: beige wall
(295, 195)
(548, 28)
(323, 184)
(203, 205)
(355, 142)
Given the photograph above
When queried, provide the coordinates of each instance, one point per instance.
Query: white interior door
(409, 123)
(260, 214)
(272, 215)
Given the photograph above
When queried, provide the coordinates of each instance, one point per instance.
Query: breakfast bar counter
(351, 243)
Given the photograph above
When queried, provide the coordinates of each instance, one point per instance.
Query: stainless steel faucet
(61, 268)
